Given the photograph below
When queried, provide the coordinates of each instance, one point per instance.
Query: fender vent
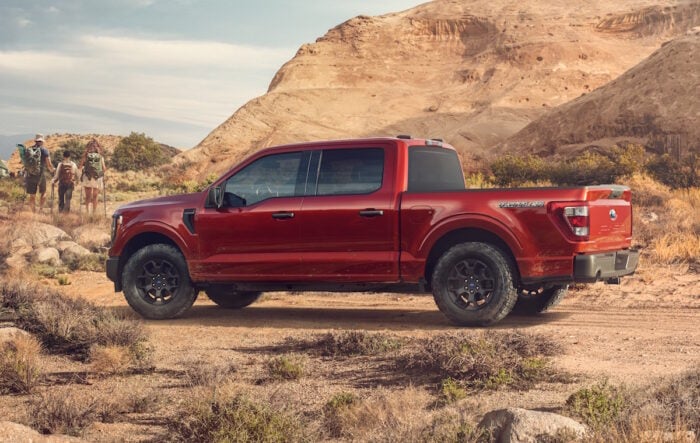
(188, 219)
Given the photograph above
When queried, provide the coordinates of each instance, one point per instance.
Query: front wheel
(473, 284)
(157, 283)
(231, 299)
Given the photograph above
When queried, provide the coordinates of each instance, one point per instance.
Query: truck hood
(181, 200)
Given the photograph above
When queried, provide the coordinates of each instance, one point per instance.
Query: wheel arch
(464, 235)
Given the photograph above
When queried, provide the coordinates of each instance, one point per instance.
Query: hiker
(36, 160)
(93, 167)
(66, 176)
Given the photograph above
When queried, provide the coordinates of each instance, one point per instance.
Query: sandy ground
(635, 333)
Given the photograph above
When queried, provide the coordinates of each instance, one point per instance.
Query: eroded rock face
(516, 425)
(472, 72)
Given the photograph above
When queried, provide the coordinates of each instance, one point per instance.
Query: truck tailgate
(610, 212)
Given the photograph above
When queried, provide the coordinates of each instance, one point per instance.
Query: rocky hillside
(656, 103)
(472, 72)
(54, 142)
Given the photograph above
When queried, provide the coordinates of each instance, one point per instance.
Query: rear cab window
(352, 171)
(434, 169)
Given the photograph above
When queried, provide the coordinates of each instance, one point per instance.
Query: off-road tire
(478, 267)
(229, 298)
(157, 283)
(533, 302)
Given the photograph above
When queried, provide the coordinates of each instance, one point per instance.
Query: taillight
(578, 220)
(572, 216)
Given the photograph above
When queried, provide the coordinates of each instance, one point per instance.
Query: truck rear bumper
(606, 266)
(112, 267)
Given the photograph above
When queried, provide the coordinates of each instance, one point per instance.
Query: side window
(433, 170)
(350, 171)
(272, 176)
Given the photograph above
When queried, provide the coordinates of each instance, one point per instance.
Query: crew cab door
(349, 221)
(255, 236)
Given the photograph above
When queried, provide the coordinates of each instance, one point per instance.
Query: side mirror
(215, 198)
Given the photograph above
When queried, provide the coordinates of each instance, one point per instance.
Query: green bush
(599, 405)
(515, 171)
(137, 152)
(74, 146)
(286, 367)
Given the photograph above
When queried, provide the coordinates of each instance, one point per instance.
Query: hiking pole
(52, 186)
(104, 194)
(80, 201)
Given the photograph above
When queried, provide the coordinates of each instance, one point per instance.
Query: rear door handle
(282, 215)
(371, 213)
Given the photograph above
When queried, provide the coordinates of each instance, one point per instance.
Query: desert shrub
(515, 171)
(70, 326)
(206, 373)
(349, 343)
(647, 192)
(485, 361)
(137, 152)
(587, 169)
(674, 173)
(188, 186)
(286, 367)
(599, 405)
(20, 365)
(49, 271)
(384, 416)
(450, 391)
(69, 410)
(11, 191)
(333, 412)
(235, 418)
(109, 360)
(451, 427)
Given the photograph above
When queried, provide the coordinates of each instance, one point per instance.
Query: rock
(15, 432)
(48, 256)
(19, 244)
(73, 253)
(65, 244)
(91, 237)
(7, 334)
(16, 262)
(515, 425)
(40, 234)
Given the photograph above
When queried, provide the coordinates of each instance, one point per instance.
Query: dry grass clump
(665, 411)
(66, 325)
(20, 364)
(351, 343)
(286, 367)
(109, 360)
(206, 373)
(223, 417)
(384, 416)
(485, 361)
(69, 410)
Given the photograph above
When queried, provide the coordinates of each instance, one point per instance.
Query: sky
(172, 69)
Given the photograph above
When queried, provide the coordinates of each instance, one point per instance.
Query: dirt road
(645, 328)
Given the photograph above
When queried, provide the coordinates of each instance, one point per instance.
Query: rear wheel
(156, 282)
(229, 298)
(537, 300)
(473, 284)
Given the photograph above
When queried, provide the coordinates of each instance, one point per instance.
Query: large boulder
(73, 253)
(8, 334)
(516, 425)
(15, 432)
(40, 234)
(91, 237)
(47, 255)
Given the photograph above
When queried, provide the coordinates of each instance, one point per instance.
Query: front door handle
(371, 213)
(282, 215)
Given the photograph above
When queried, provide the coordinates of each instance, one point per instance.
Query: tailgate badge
(613, 215)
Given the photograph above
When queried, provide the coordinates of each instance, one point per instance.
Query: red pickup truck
(380, 214)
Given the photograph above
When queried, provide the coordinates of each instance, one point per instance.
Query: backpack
(65, 174)
(93, 165)
(32, 160)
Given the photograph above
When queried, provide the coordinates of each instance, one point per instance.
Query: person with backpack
(36, 159)
(93, 167)
(66, 176)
